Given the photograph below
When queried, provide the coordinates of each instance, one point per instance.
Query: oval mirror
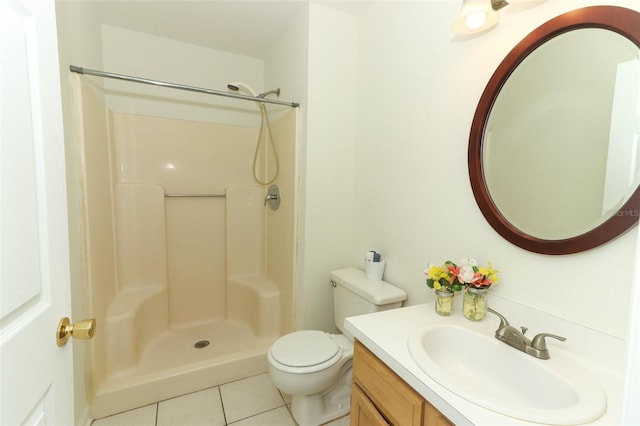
(554, 160)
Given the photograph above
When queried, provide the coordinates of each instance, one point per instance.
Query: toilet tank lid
(376, 292)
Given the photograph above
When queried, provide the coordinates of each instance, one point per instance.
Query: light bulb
(475, 20)
(475, 16)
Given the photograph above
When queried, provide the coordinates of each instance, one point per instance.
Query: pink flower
(455, 273)
(480, 280)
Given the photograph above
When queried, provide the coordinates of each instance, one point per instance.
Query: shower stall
(189, 274)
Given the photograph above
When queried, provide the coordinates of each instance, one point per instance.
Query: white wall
(631, 393)
(142, 55)
(326, 221)
(417, 93)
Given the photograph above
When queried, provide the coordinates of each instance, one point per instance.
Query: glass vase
(474, 303)
(444, 302)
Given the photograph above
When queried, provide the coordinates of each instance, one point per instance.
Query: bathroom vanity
(389, 387)
(378, 394)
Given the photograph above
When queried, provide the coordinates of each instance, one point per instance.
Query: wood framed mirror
(548, 128)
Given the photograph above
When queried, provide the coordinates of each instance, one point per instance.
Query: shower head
(237, 86)
(270, 92)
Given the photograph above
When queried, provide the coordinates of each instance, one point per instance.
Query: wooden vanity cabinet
(380, 397)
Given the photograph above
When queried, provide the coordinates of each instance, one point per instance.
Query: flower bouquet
(474, 303)
(450, 277)
(445, 281)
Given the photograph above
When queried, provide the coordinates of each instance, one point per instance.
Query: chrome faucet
(513, 337)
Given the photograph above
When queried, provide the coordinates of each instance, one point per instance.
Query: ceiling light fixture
(477, 15)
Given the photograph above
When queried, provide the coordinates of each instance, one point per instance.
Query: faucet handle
(539, 343)
(503, 320)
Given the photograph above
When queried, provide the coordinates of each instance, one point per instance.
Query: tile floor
(252, 401)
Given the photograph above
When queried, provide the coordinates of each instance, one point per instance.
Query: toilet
(313, 366)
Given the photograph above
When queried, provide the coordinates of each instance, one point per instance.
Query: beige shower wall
(196, 253)
(95, 189)
(188, 157)
(281, 225)
(180, 155)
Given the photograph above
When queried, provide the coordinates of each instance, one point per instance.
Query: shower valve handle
(273, 197)
(270, 197)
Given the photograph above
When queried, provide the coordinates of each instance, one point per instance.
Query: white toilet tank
(354, 294)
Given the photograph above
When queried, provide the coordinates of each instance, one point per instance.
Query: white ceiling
(246, 27)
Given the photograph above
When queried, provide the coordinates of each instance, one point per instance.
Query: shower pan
(190, 276)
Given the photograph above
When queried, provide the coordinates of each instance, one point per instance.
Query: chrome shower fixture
(498, 4)
(270, 92)
(237, 86)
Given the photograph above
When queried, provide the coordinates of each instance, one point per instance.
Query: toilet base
(314, 410)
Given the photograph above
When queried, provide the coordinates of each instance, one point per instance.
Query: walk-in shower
(190, 276)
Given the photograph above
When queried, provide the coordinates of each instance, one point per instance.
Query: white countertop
(385, 334)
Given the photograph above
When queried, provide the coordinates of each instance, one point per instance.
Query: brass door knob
(84, 329)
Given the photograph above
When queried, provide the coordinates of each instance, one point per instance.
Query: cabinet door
(433, 417)
(363, 412)
(397, 401)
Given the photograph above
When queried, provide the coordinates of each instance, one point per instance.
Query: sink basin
(470, 362)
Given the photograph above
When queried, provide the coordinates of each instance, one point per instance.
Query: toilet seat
(305, 351)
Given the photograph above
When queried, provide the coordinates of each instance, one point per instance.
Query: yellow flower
(438, 272)
(490, 273)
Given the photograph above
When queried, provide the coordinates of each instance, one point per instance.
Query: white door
(35, 374)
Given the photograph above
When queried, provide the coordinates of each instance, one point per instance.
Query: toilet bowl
(313, 366)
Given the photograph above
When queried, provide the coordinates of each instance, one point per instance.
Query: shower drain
(201, 344)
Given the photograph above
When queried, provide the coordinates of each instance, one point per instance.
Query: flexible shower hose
(264, 119)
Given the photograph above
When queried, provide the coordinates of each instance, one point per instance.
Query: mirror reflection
(560, 147)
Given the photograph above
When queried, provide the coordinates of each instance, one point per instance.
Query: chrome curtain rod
(81, 70)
